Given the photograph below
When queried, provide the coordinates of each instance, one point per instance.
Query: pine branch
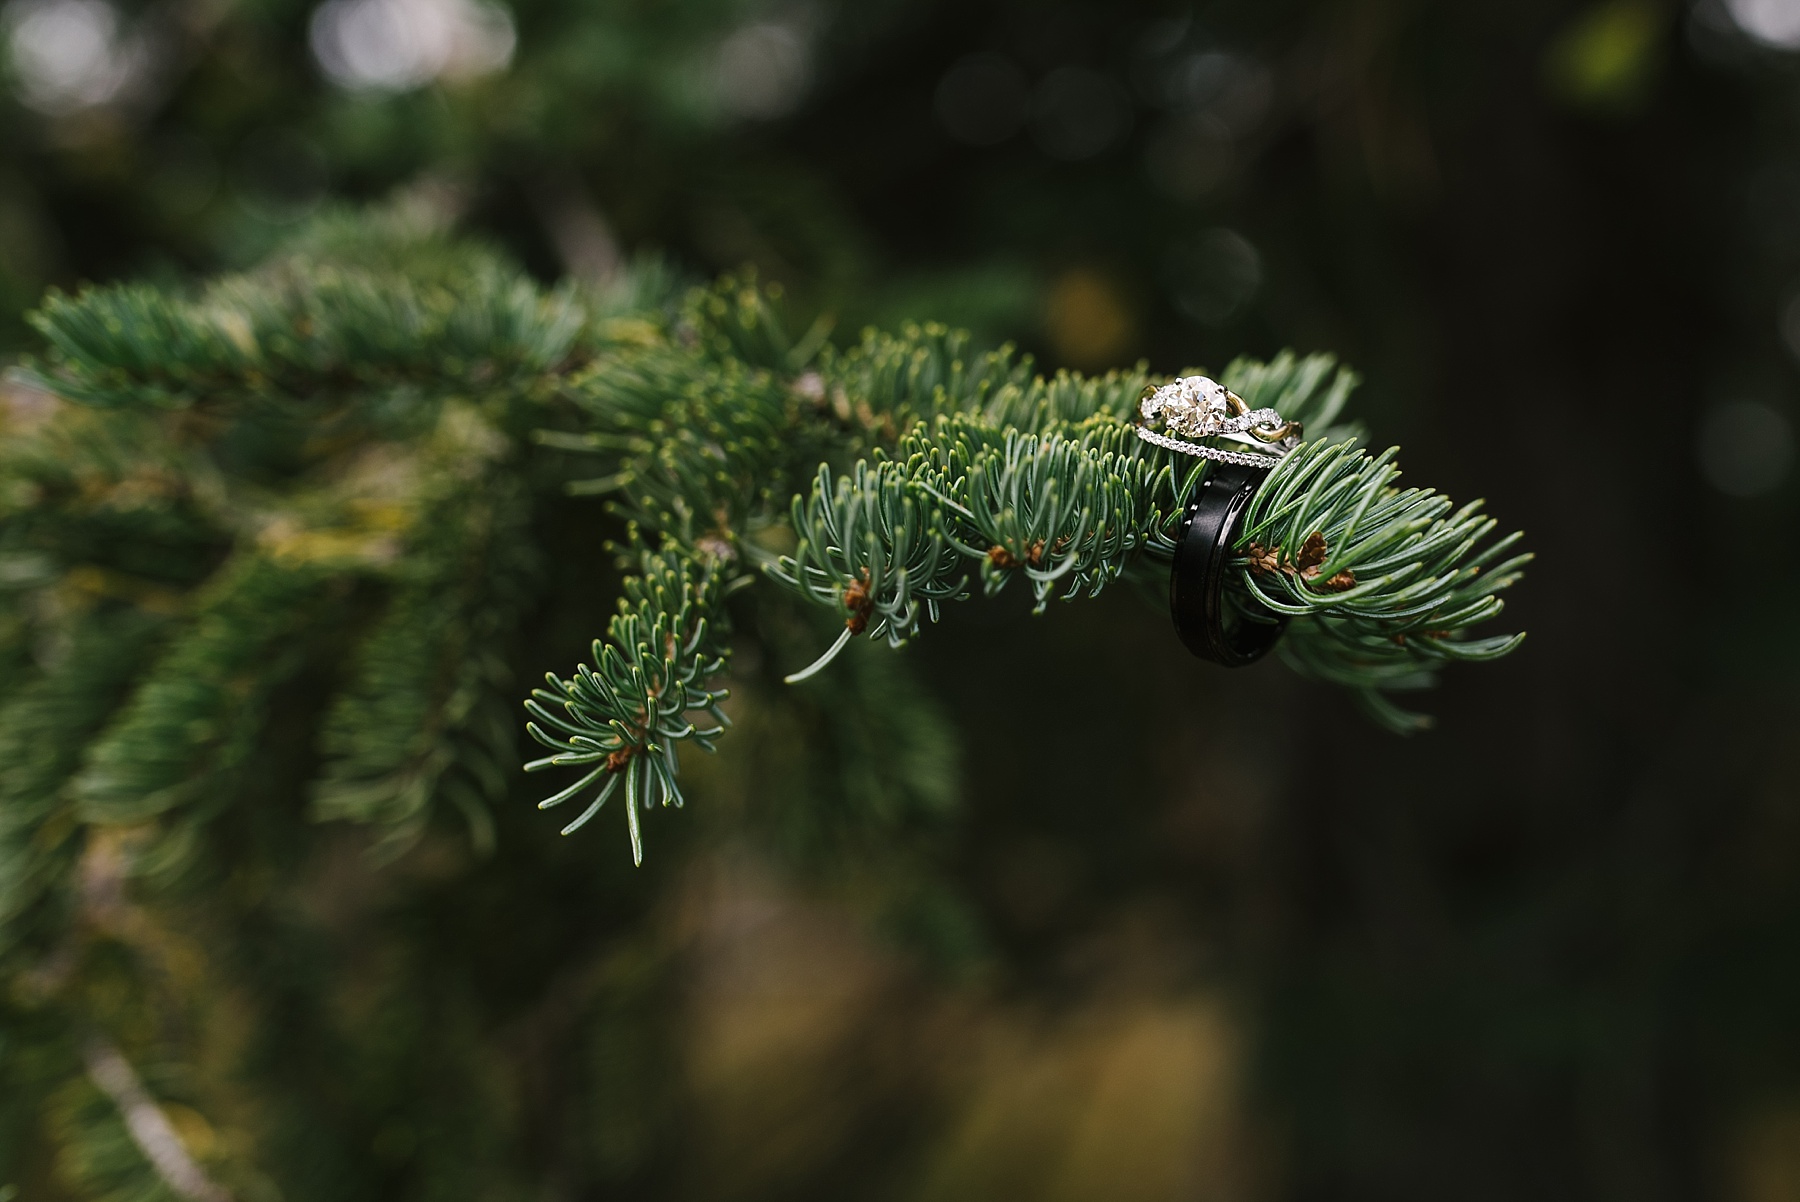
(622, 719)
(1066, 511)
(873, 545)
(149, 1127)
(1385, 584)
(46, 725)
(1313, 390)
(336, 318)
(929, 463)
(196, 716)
(874, 481)
(421, 714)
(876, 390)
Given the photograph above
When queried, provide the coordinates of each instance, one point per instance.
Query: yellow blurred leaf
(1605, 60)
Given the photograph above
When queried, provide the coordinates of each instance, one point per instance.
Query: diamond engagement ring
(1196, 407)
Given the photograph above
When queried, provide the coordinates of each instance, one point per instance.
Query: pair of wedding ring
(1196, 407)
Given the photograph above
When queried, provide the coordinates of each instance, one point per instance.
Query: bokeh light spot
(1772, 22)
(1077, 113)
(1745, 448)
(1214, 275)
(1088, 320)
(1789, 324)
(398, 45)
(68, 54)
(1606, 58)
(1230, 87)
(763, 70)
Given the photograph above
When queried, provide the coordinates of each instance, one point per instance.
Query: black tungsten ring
(1197, 577)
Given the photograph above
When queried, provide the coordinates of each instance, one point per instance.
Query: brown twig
(1266, 561)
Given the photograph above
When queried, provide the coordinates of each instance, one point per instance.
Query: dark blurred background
(1224, 938)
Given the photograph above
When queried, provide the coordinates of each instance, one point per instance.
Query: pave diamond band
(1245, 458)
(1196, 407)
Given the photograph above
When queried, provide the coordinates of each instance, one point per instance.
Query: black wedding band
(1202, 557)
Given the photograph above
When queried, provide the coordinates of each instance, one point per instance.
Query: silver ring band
(1243, 458)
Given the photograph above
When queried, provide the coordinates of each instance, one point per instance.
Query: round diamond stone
(1192, 405)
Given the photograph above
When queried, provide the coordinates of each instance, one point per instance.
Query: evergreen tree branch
(196, 716)
(46, 724)
(873, 544)
(875, 481)
(929, 463)
(150, 1128)
(303, 329)
(622, 719)
(421, 712)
